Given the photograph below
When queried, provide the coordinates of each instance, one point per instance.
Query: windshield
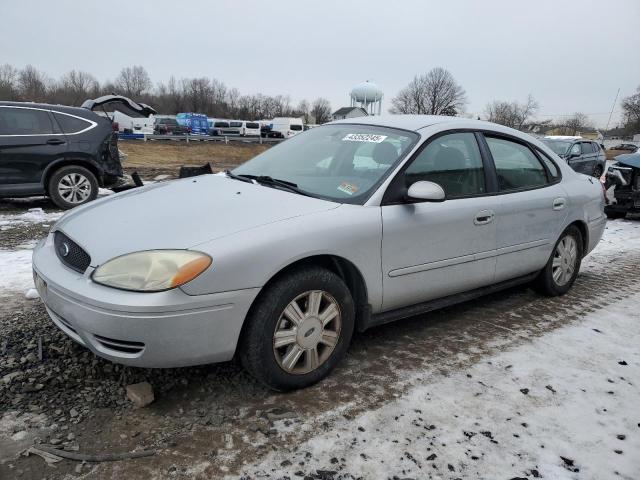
(221, 125)
(342, 163)
(559, 147)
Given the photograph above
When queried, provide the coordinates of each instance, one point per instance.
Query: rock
(431, 457)
(55, 441)
(71, 436)
(73, 413)
(524, 391)
(141, 394)
(9, 377)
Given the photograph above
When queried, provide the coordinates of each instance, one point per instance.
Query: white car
(286, 127)
(250, 129)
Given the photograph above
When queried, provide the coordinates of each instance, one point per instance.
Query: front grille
(70, 253)
(122, 346)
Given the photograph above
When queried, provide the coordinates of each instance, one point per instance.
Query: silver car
(346, 226)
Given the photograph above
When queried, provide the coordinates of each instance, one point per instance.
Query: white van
(285, 127)
(250, 129)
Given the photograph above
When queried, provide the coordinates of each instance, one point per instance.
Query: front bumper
(155, 330)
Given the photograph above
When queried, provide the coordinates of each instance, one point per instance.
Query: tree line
(202, 95)
(433, 93)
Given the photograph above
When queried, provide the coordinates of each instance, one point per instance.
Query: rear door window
(296, 127)
(25, 121)
(71, 125)
(517, 167)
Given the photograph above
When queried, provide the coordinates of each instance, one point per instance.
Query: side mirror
(426, 191)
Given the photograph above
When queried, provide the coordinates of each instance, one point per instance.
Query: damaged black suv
(66, 153)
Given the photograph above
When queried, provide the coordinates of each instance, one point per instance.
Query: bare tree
(631, 112)
(304, 110)
(133, 81)
(434, 93)
(32, 84)
(578, 121)
(76, 86)
(511, 114)
(321, 110)
(8, 82)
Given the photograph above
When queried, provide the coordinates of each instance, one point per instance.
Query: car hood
(629, 159)
(179, 214)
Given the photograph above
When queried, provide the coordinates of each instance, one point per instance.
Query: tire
(296, 363)
(598, 171)
(557, 277)
(61, 186)
(614, 215)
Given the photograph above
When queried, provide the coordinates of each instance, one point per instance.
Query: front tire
(598, 171)
(560, 272)
(72, 186)
(299, 329)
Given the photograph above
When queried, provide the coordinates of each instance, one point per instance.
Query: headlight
(152, 270)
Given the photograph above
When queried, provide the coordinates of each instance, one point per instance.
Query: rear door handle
(559, 203)
(55, 141)
(483, 217)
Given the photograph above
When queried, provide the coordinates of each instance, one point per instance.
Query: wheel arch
(584, 233)
(342, 267)
(54, 167)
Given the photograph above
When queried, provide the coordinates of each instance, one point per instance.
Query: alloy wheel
(565, 259)
(307, 332)
(74, 188)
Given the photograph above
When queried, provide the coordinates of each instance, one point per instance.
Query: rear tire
(614, 215)
(71, 186)
(298, 330)
(558, 275)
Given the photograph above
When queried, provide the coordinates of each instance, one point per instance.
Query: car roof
(416, 122)
(83, 112)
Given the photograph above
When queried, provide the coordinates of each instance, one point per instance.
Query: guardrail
(198, 138)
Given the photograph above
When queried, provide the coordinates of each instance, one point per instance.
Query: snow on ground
(16, 271)
(564, 406)
(33, 215)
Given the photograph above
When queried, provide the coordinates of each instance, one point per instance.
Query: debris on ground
(141, 394)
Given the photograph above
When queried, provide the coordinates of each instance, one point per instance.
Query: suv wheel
(598, 171)
(557, 277)
(299, 329)
(71, 186)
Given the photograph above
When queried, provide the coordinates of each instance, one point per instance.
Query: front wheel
(299, 329)
(560, 272)
(72, 186)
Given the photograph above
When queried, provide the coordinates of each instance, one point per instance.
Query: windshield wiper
(275, 182)
(242, 178)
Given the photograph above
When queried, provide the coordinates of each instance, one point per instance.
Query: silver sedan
(349, 225)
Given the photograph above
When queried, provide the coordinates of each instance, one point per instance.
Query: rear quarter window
(71, 125)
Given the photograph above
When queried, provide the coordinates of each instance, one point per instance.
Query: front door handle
(559, 203)
(55, 141)
(483, 217)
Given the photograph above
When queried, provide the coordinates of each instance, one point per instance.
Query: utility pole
(611, 113)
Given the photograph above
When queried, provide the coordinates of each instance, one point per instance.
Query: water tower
(367, 95)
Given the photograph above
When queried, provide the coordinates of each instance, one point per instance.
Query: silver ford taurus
(346, 226)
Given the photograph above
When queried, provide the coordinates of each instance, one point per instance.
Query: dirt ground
(215, 420)
(154, 158)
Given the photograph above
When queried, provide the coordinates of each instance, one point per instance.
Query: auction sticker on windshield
(348, 188)
(364, 137)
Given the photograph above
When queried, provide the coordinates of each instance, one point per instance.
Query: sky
(570, 55)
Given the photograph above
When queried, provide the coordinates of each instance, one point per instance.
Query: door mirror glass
(426, 191)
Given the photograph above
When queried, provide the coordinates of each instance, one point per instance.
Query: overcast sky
(570, 55)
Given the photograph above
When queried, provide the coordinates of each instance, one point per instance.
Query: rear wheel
(71, 186)
(598, 171)
(299, 329)
(558, 275)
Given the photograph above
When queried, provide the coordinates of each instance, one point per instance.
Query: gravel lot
(416, 399)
